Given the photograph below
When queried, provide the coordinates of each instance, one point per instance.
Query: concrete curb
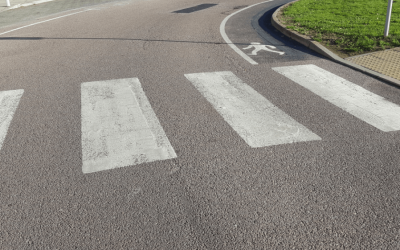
(317, 47)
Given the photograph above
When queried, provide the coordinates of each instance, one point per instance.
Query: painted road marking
(119, 127)
(257, 47)
(363, 104)
(42, 22)
(9, 101)
(29, 4)
(229, 42)
(251, 115)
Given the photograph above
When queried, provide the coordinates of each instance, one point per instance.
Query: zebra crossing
(251, 115)
(363, 104)
(119, 127)
(9, 101)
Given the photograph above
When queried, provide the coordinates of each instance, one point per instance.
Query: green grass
(353, 26)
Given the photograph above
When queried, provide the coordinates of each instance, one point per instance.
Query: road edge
(319, 48)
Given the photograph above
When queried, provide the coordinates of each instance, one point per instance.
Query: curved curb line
(317, 47)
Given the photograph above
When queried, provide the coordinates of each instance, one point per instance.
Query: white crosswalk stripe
(119, 127)
(363, 104)
(251, 115)
(9, 101)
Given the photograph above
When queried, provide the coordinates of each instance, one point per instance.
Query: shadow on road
(272, 35)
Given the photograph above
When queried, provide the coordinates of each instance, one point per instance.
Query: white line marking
(229, 42)
(42, 22)
(119, 127)
(9, 101)
(363, 104)
(29, 4)
(253, 117)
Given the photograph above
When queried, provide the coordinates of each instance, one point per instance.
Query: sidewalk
(19, 3)
(386, 62)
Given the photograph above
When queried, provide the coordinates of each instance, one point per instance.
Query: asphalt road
(337, 192)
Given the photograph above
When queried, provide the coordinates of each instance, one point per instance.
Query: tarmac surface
(218, 193)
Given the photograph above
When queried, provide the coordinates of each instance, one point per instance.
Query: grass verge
(348, 27)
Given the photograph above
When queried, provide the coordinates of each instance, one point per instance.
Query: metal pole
(8, 3)
(388, 14)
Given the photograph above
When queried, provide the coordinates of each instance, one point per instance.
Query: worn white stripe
(29, 4)
(229, 42)
(42, 22)
(251, 115)
(119, 127)
(9, 101)
(363, 104)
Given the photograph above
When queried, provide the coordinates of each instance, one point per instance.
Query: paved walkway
(386, 62)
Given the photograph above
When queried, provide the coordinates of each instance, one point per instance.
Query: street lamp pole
(8, 3)
(388, 14)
